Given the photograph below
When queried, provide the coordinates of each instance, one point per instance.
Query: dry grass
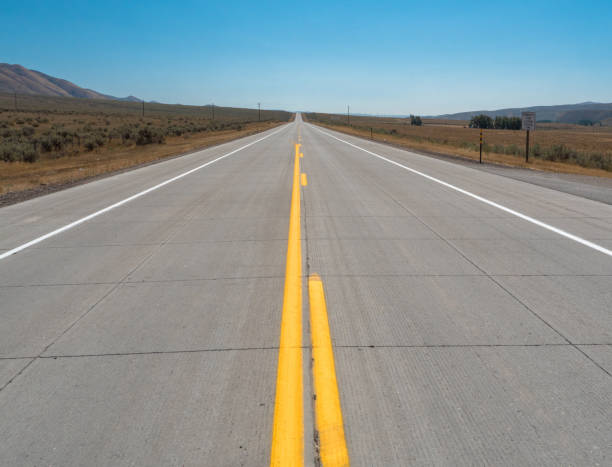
(19, 176)
(53, 141)
(451, 137)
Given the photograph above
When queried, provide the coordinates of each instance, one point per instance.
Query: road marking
(525, 217)
(288, 430)
(328, 414)
(8, 253)
(304, 180)
(301, 154)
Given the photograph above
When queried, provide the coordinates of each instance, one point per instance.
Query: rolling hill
(20, 80)
(571, 113)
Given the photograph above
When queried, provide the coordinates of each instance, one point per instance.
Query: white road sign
(529, 120)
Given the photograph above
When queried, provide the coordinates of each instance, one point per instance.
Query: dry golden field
(49, 174)
(48, 143)
(554, 146)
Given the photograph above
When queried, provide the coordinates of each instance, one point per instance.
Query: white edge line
(561, 232)
(11, 252)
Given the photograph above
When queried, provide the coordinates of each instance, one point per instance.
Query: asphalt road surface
(470, 314)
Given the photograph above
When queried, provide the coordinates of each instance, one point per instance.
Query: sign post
(529, 124)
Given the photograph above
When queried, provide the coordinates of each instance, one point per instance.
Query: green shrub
(416, 120)
(481, 121)
(149, 136)
(514, 150)
(89, 144)
(27, 131)
(507, 123)
(12, 151)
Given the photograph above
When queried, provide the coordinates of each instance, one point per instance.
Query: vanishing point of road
(301, 296)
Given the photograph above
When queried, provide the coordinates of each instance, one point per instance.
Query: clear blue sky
(380, 57)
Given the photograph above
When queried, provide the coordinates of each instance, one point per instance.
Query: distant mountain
(570, 113)
(129, 99)
(16, 78)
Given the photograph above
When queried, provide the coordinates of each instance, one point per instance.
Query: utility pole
(15, 96)
(259, 110)
(212, 107)
(143, 108)
(348, 114)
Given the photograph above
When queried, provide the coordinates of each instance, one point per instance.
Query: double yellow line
(288, 429)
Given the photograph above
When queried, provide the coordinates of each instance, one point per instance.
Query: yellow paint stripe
(304, 180)
(288, 431)
(328, 414)
(301, 154)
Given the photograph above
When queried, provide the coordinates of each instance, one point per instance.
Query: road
(470, 314)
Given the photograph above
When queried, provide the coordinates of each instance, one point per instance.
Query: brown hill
(571, 113)
(20, 80)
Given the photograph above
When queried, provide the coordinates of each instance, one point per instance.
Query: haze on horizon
(387, 58)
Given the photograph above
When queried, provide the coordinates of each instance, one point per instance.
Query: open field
(554, 146)
(48, 141)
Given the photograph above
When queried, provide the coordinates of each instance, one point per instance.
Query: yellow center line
(288, 431)
(328, 414)
(304, 180)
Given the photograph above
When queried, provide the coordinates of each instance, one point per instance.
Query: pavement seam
(461, 346)
(306, 347)
(150, 352)
(315, 433)
(245, 278)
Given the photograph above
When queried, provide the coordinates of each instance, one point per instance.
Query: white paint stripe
(127, 200)
(563, 233)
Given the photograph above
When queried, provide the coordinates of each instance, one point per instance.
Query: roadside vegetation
(554, 146)
(416, 120)
(26, 136)
(499, 123)
(57, 140)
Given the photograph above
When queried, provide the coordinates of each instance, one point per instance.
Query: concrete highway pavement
(462, 334)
